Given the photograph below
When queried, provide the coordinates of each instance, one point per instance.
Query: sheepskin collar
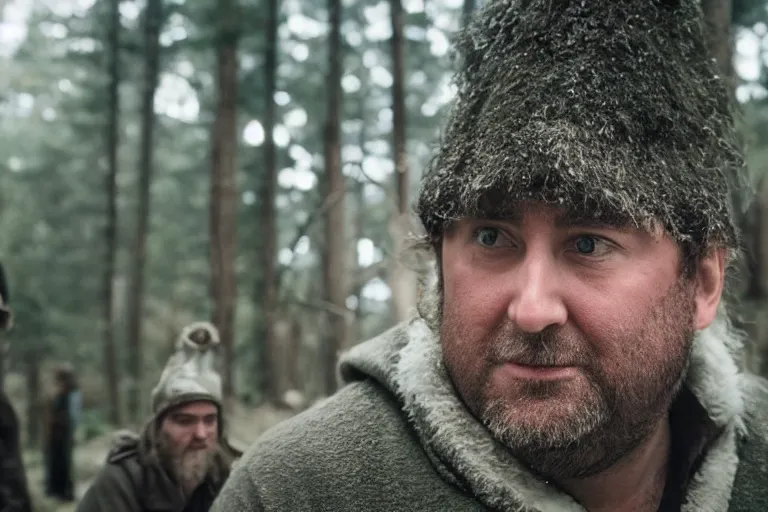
(407, 360)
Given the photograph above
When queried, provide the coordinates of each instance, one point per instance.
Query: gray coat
(396, 438)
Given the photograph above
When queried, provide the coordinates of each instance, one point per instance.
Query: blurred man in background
(181, 459)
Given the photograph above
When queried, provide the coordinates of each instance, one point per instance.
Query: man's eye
(487, 237)
(586, 244)
(590, 245)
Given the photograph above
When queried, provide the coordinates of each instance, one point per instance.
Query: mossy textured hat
(609, 109)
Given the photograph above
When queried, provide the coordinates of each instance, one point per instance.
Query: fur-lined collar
(407, 360)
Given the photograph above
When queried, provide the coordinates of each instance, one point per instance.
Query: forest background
(140, 190)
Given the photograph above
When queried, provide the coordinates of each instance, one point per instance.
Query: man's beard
(189, 467)
(591, 422)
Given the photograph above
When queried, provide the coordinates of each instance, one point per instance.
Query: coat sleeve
(111, 491)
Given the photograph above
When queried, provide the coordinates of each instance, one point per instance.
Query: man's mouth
(538, 372)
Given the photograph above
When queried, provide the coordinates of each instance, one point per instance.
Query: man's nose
(201, 430)
(537, 300)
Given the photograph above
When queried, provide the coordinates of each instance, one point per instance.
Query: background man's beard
(607, 420)
(190, 467)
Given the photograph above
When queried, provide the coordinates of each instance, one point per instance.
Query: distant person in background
(6, 317)
(63, 416)
(14, 494)
(181, 459)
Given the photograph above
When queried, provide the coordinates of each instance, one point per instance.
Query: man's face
(567, 340)
(188, 437)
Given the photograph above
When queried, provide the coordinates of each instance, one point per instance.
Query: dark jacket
(59, 448)
(397, 438)
(14, 495)
(130, 482)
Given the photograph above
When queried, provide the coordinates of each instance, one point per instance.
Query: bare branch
(320, 305)
(378, 269)
(302, 231)
(373, 181)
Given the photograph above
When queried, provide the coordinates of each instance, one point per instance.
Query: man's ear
(710, 282)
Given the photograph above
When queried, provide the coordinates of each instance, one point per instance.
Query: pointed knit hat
(189, 375)
(609, 109)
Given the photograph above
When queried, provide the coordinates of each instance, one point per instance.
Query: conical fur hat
(609, 108)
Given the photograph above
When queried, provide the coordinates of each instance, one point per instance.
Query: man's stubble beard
(610, 416)
(190, 467)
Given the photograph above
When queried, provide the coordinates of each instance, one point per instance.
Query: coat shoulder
(125, 445)
(362, 421)
(115, 488)
(347, 452)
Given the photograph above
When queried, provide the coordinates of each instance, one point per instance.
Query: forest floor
(244, 427)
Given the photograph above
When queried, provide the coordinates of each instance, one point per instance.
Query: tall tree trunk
(761, 237)
(398, 106)
(469, 7)
(110, 232)
(402, 283)
(358, 332)
(35, 400)
(293, 370)
(152, 21)
(6, 298)
(335, 267)
(755, 234)
(758, 265)
(268, 223)
(3, 350)
(224, 200)
(718, 19)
